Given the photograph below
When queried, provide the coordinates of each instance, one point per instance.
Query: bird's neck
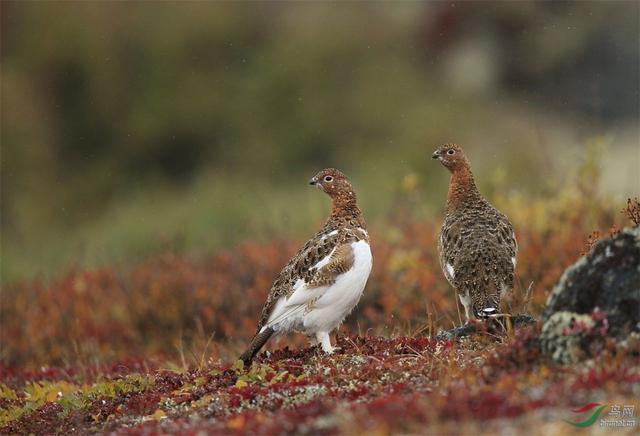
(345, 211)
(462, 189)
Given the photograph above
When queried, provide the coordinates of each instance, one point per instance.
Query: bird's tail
(488, 306)
(488, 312)
(256, 344)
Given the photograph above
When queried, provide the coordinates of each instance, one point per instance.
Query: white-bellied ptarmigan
(323, 282)
(477, 244)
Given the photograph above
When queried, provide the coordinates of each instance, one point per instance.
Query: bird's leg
(466, 312)
(313, 340)
(466, 303)
(325, 342)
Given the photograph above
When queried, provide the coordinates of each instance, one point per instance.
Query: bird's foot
(325, 342)
(332, 350)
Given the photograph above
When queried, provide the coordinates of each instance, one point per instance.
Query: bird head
(333, 182)
(451, 156)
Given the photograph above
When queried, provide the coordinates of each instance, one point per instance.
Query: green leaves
(68, 395)
(38, 393)
(7, 393)
(258, 373)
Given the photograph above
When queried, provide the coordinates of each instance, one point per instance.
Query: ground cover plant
(152, 347)
(403, 384)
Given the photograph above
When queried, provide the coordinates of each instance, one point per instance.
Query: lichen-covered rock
(608, 278)
(632, 344)
(563, 335)
(596, 298)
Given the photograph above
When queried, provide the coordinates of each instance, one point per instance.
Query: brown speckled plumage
(344, 226)
(477, 244)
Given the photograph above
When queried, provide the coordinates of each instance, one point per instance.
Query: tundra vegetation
(152, 346)
(154, 167)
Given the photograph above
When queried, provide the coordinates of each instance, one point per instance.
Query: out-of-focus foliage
(128, 128)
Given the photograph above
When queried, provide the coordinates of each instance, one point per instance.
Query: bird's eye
(451, 151)
(328, 178)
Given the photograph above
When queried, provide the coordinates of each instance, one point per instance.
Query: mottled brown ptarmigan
(477, 244)
(323, 282)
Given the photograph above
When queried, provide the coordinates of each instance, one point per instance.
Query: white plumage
(450, 272)
(317, 311)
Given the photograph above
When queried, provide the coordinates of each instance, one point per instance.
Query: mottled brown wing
(340, 262)
(509, 248)
(300, 266)
(450, 245)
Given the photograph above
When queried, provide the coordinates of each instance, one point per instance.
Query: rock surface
(597, 297)
(569, 337)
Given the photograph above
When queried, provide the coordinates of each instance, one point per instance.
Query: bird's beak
(435, 155)
(313, 181)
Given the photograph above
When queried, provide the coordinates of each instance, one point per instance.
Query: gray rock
(607, 278)
(562, 336)
(596, 298)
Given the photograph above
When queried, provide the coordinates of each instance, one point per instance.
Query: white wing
(288, 308)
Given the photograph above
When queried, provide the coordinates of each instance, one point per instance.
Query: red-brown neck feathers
(348, 210)
(345, 209)
(462, 187)
(335, 184)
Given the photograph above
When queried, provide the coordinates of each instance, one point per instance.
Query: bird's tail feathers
(256, 344)
(487, 305)
(488, 312)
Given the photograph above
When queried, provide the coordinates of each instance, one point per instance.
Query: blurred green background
(130, 128)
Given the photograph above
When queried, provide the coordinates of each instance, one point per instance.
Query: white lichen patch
(561, 335)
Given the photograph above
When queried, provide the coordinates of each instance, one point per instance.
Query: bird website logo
(618, 416)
